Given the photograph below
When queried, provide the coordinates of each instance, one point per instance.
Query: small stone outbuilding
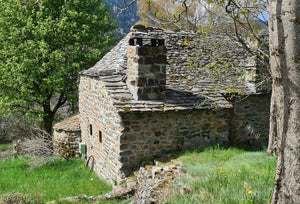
(66, 137)
(142, 100)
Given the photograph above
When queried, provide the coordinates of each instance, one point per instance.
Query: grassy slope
(226, 176)
(216, 175)
(56, 180)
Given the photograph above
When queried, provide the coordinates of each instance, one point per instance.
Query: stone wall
(66, 143)
(250, 122)
(147, 135)
(66, 137)
(100, 126)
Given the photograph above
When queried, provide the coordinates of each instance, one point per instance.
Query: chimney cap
(146, 41)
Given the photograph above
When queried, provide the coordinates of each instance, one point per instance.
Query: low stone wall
(147, 135)
(66, 143)
(66, 138)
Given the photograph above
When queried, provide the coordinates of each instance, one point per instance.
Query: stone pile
(150, 186)
(152, 182)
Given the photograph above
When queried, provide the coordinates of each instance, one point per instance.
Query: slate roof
(181, 94)
(69, 124)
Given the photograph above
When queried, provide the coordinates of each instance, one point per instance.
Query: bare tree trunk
(284, 28)
(48, 119)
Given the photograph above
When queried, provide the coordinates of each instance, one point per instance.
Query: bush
(38, 146)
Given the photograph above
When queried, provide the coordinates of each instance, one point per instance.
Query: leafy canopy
(43, 46)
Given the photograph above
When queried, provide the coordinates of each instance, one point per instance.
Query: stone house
(142, 99)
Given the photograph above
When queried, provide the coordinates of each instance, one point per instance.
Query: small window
(89, 84)
(91, 129)
(100, 136)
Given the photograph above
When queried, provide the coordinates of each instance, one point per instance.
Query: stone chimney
(146, 68)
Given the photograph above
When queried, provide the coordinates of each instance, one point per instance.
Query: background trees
(182, 14)
(43, 46)
(241, 20)
(126, 19)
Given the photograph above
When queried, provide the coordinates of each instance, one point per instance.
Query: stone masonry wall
(147, 135)
(250, 121)
(100, 126)
(66, 143)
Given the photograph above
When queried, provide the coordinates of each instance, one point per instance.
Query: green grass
(6, 151)
(230, 176)
(214, 176)
(5, 145)
(56, 180)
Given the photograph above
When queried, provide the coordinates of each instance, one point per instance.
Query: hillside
(126, 19)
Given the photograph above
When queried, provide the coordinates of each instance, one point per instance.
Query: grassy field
(56, 180)
(214, 176)
(231, 176)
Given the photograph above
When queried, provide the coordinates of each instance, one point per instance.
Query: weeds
(226, 176)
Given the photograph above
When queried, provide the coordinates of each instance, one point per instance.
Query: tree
(43, 46)
(242, 20)
(126, 19)
(284, 30)
(182, 14)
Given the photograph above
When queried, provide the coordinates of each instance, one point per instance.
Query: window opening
(91, 129)
(100, 136)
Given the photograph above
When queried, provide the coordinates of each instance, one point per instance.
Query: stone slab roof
(185, 89)
(70, 124)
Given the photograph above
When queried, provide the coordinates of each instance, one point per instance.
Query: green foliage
(53, 181)
(231, 175)
(43, 46)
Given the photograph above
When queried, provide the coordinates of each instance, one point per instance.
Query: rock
(82, 196)
(125, 190)
(153, 181)
(185, 191)
(149, 186)
(172, 166)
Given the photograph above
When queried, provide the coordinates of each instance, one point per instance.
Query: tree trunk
(284, 29)
(48, 119)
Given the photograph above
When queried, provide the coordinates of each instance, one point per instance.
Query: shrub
(38, 146)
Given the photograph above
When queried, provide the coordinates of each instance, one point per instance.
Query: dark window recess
(91, 129)
(100, 136)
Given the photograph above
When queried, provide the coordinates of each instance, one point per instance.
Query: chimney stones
(146, 68)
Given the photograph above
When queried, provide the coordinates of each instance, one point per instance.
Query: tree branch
(127, 6)
(174, 22)
(61, 101)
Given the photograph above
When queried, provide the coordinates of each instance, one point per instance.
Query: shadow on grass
(168, 156)
(5, 142)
